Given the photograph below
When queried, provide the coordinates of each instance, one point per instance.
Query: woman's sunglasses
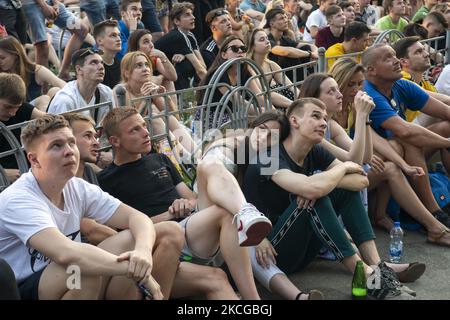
(236, 49)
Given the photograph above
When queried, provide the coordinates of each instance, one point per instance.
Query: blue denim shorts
(36, 20)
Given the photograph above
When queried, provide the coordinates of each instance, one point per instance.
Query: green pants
(299, 234)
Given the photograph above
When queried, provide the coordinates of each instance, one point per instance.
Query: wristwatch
(368, 122)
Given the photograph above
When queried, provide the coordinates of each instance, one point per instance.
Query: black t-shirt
(177, 42)
(112, 74)
(265, 194)
(209, 50)
(147, 184)
(22, 114)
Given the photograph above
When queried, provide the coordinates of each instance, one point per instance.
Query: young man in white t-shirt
(317, 20)
(40, 218)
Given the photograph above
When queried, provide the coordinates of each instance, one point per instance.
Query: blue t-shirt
(258, 6)
(405, 95)
(124, 35)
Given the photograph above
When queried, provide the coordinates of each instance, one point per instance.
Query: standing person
(150, 19)
(40, 222)
(304, 207)
(36, 11)
(12, 18)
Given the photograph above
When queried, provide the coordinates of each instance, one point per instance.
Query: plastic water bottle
(396, 244)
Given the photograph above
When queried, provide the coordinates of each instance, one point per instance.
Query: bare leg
(167, 248)
(212, 226)
(414, 156)
(218, 186)
(193, 279)
(41, 53)
(442, 128)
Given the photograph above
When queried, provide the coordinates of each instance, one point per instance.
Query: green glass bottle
(359, 283)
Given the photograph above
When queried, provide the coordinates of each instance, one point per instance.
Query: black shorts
(29, 288)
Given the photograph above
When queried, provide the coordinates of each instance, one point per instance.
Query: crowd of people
(315, 172)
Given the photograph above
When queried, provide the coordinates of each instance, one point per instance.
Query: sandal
(414, 271)
(312, 295)
(437, 240)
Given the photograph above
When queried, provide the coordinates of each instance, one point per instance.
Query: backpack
(440, 186)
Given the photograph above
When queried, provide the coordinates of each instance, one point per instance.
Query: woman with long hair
(165, 73)
(234, 153)
(359, 150)
(232, 47)
(258, 45)
(14, 60)
(136, 73)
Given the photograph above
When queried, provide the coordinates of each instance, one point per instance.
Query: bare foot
(385, 223)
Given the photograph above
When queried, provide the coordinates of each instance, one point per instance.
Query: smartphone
(145, 292)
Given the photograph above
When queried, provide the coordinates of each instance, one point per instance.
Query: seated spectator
(136, 73)
(131, 15)
(208, 219)
(443, 8)
(258, 50)
(180, 46)
(13, 59)
(107, 39)
(304, 206)
(87, 89)
(255, 9)
(334, 32)
(232, 47)
(267, 129)
(13, 110)
(164, 71)
(317, 20)
(423, 11)
(349, 11)
(83, 129)
(53, 202)
(220, 24)
(393, 20)
(36, 12)
(240, 22)
(356, 39)
(392, 96)
(286, 52)
(297, 11)
(436, 25)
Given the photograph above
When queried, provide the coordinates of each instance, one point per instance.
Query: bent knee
(169, 234)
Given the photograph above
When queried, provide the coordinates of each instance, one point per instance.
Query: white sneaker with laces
(253, 226)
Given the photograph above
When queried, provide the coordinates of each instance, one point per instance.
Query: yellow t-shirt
(424, 84)
(337, 50)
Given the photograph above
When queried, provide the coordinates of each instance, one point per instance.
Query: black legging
(8, 285)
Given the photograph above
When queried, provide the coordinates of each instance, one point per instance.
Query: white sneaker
(253, 226)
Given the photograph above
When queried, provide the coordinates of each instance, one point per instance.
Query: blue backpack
(440, 186)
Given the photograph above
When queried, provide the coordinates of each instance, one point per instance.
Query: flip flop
(414, 271)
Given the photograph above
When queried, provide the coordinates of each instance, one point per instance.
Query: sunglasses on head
(236, 49)
(218, 14)
(89, 51)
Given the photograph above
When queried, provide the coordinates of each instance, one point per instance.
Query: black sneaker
(442, 217)
(390, 288)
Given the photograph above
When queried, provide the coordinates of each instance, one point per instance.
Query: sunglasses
(217, 14)
(236, 49)
(89, 51)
